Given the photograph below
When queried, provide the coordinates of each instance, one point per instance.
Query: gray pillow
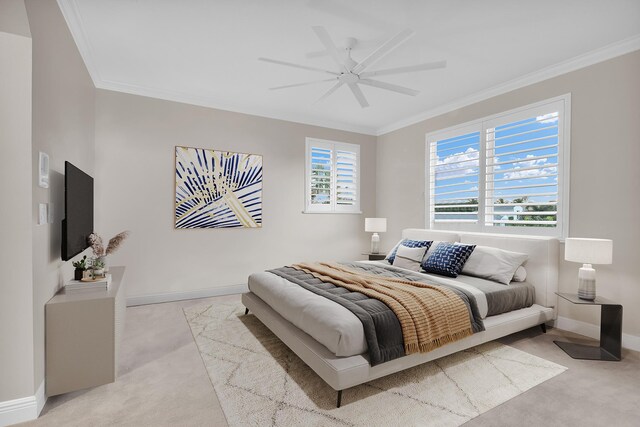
(493, 264)
(409, 258)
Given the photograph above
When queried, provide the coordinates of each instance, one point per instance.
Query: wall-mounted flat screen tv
(78, 207)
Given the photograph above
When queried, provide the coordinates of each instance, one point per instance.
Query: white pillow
(520, 275)
(493, 264)
(409, 258)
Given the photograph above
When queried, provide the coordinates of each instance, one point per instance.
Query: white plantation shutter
(332, 176)
(346, 178)
(520, 162)
(321, 175)
(454, 176)
(522, 169)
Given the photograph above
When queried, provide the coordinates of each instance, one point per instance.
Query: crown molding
(581, 61)
(70, 12)
(205, 101)
(69, 9)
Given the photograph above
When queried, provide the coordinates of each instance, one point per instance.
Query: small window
(509, 170)
(332, 177)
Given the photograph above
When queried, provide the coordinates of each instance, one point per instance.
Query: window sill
(332, 212)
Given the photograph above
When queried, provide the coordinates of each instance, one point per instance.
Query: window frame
(561, 231)
(333, 207)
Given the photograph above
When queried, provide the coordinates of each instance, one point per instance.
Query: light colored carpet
(259, 381)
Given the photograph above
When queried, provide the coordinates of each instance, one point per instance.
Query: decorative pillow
(448, 259)
(410, 244)
(433, 247)
(520, 275)
(493, 264)
(409, 258)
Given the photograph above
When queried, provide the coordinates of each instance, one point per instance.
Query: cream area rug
(260, 382)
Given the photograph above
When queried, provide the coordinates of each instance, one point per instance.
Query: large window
(509, 170)
(332, 177)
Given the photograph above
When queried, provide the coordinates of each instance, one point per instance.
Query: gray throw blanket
(382, 329)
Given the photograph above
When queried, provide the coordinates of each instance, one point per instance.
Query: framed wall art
(217, 189)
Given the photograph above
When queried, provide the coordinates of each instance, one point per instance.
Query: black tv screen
(78, 208)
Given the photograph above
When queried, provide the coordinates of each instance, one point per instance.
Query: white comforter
(326, 321)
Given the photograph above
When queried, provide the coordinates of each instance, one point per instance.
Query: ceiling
(205, 52)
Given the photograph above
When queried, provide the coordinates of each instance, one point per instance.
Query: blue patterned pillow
(448, 259)
(410, 244)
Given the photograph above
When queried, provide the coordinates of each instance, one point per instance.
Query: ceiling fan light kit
(353, 74)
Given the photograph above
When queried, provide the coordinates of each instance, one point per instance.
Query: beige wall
(13, 18)
(63, 127)
(135, 139)
(16, 307)
(605, 156)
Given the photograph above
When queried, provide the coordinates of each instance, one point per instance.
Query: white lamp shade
(588, 251)
(375, 225)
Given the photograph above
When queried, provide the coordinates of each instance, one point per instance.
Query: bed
(330, 343)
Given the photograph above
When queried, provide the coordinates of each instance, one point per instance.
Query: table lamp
(375, 226)
(588, 251)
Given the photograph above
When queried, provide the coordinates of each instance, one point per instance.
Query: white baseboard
(23, 409)
(41, 398)
(631, 342)
(181, 296)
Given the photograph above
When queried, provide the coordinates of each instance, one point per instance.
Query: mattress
(341, 331)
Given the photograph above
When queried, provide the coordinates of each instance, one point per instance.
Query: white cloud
(458, 163)
(517, 174)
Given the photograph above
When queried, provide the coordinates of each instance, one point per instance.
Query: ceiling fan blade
(389, 86)
(330, 91)
(303, 84)
(359, 45)
(357, 92)
(304, 67)
(328, 44)
(409, 69)
(383, 50)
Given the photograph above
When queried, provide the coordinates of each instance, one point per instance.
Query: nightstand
(610, 347)
(375, 257)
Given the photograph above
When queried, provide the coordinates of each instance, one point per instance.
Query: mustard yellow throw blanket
(430, 316)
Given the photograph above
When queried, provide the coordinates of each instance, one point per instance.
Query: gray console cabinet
(83, 333)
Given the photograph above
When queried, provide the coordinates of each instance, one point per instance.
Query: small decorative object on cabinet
(100, 252)
(375, 226)
(610, 347)
(83, 331)
(80, 267)
(588, 251)
(97, 267)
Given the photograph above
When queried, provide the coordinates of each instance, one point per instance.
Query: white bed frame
(344, 372)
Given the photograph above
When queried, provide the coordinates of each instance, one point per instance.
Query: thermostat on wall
(43, 170)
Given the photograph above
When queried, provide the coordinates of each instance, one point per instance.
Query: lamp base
(587, 283)
(375, 243)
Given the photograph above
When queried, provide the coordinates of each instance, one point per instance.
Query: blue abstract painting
(217, 189)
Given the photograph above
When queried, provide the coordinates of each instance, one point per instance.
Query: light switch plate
(42, 213)
(50, 213)
(43, 170)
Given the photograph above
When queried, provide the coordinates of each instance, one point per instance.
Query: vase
(78, 274)
(104, 262)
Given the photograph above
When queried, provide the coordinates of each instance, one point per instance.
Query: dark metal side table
(610, 347)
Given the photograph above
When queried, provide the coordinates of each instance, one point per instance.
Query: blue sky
(531, 142)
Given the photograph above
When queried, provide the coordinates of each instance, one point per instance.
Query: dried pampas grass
(116, 241)
(98, 246)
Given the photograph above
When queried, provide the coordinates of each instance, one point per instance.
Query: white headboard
(542, 265)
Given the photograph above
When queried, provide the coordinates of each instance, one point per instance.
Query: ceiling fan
(352, 73)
